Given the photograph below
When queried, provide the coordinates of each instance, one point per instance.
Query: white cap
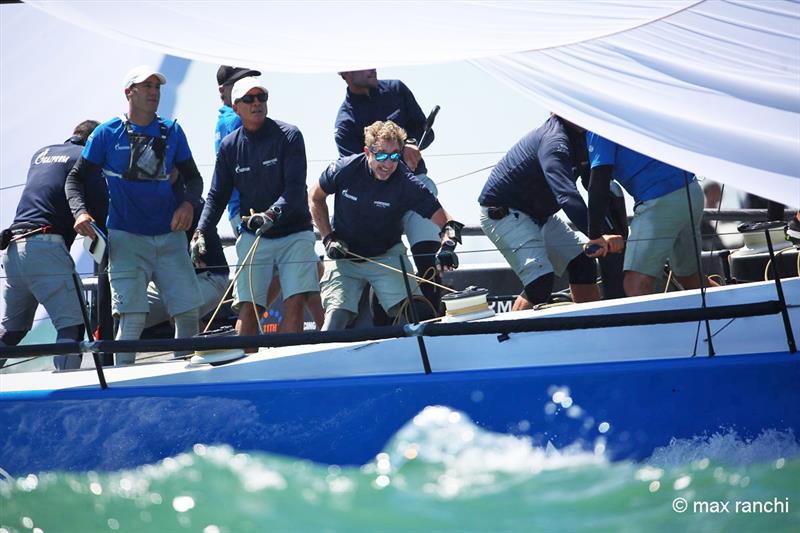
(141, 73)
(243, 86)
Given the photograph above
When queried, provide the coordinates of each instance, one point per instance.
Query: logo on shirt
(239, 169)
(563, 148)
(122, 146)
(591, 148)
(270, 162)
(349, 196)
(381, 204)
(43, 158)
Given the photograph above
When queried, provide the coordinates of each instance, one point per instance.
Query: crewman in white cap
(148, 212)
(265, 161)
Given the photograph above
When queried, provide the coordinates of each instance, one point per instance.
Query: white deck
(474, 352)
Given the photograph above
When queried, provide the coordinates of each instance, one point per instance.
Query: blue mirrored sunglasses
(394, 157)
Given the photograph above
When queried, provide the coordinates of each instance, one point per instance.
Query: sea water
(439, 473)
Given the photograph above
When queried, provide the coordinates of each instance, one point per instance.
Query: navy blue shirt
(43, 201)
(268, 168)
(392, 100)
(368, 213)
(536, 176)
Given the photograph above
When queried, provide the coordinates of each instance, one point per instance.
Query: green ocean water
(439, 473)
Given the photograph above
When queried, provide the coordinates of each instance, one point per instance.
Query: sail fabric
(712, 86)
(714, 90)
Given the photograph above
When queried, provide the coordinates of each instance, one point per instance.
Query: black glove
(261, 222)
(5, 238)
(446, 258)
(452, 231)
(197, 247)
(335, 248)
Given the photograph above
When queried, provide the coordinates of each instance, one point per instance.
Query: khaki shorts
(344, 281)
(38, 270)
(292, 256)
(533, 251)
(136, 260)
(416, 227)
(661, 230)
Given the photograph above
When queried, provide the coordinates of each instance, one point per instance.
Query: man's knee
(582, 270)
(337, 319)
(11, 338)
(69, 334)
(638, 284)
(538, 290)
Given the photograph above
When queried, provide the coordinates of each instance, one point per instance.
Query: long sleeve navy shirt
(536, 176)
(392, 100)
(43, 201)
(268, 168)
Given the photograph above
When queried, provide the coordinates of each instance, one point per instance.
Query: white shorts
(344, 281)
(38, 270)
(292, 256)
(532, 250)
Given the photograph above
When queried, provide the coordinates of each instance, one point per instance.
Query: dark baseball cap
(227, 75)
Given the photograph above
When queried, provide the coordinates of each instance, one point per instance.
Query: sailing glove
(197, 247)
(446, 258)
(261, 222)
(335, 248)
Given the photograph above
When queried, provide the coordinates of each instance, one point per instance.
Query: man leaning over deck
(146, 218)
(37, 265)
(373, 191)
(662, 226)
(265, 160)
(519, 203)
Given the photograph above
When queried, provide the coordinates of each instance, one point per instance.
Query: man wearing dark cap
(228, 121)
(367, 100)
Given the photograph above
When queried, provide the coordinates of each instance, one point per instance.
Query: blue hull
(347, 421)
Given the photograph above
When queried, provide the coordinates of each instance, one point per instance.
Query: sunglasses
(250, 98)
(383, 156)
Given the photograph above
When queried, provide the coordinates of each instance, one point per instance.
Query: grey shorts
(212, 287)
(344, 280)
(292, 256)
(418, 228)
(661, 230)
(136, 260)
(38, 270)
(532, 250)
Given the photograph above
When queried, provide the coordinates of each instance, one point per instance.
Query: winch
(468, 304)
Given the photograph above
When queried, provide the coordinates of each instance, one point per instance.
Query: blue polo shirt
(227, 121)
(136, 206)
(392, 100)
(268, 168)
(536, 176)
(642, 176)
(368, 213)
